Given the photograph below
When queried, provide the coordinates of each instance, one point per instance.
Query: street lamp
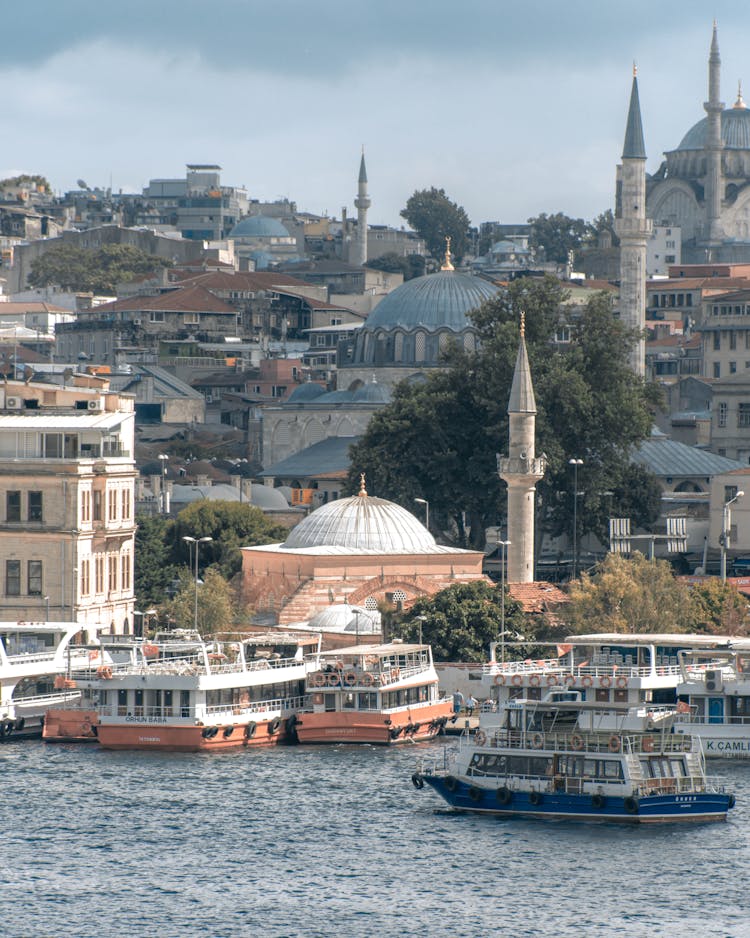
(164, 459)
(421, 620)
(197, 541)
(502, 545)
(575, 463)
(423, 501)
(726, 532)
(46, 602)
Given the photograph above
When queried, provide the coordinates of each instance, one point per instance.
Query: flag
(563, 650)
(582, 664)
(614, 668)
(682, 707)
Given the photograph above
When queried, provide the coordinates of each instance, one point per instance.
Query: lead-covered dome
(433, 302)
(735, 131)
(362, 523)
(259, 226)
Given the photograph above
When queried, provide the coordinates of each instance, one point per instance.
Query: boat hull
(372, 726)
(165, 737)
(651, 809)
(70, 726)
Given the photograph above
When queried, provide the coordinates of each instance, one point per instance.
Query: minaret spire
(713, 147)
(633, 228)
(361, 203)
(521, 469)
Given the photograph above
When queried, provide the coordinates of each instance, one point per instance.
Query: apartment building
(67, 524)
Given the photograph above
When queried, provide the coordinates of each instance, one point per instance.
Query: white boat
(179, 692)
(36, 660)
(379, 694)
(564, 758)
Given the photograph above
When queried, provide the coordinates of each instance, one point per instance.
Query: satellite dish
(82, 184)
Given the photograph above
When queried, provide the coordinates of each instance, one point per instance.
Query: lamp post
(575, 463)
(163, 458)
(502, 545)
(197, 541)
(421, 620)
(46, 603)
(423, 501)
(726, 531)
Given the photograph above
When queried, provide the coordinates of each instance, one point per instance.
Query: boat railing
(224, 712)
(59, 698)
(575, 742)
(611, 669)
(363, 678)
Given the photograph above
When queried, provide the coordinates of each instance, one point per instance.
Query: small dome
(362, 523)
(305, 392)
(341, 617)
(267, 498)
(435, 301)
(259, 226)
(337, 397)
(372, 393)
(735, 131)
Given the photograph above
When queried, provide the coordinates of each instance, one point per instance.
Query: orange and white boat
(379, 694)
(180, 693)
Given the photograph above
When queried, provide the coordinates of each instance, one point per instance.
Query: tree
(603, 222)
(557, 235)
(215, 602)
(630, 595)
(461, 621)
(40, 183)
(720, 609)
(73, 268)
(231, 525)
(154, 571)
(410, 266)
(434, 217)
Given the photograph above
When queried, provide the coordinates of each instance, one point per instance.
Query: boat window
(185, 703)
(589, 767)
(699, 705)
(621, 695)
(661, 768)
(602, 695)
(678, 768)
(611, 768)
(348, 701)
(645, 768)
(368, 700)
(330, 703)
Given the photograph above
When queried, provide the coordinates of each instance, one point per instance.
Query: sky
(512, 108)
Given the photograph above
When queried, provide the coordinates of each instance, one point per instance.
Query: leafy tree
(602, 223)
(434, 217)
(215, 603)
(720, 609)
(462, 620)
(75, 268)
(630, 595)
(410, 266)
(231, 525)
(557, 235)
(39, 182)
(153, 573)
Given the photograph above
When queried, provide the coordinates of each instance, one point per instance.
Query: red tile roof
(189, 299)
(537, 597)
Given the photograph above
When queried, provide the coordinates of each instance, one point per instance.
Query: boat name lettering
(145, 719)
(149, 739)
(726, 745)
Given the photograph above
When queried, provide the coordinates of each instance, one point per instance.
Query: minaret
(361, 203)
(713, 186)
(633, 229)
(521, 469)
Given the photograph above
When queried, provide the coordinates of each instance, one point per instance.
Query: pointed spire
(715, 41)
(739, 104)
(447, 264)
(362, 168)
(362, 490)
(522, 400)
(634, 147)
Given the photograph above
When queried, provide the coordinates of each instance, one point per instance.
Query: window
(13, 506)
(722, 414)
(156, 316)
(99, 575)
(12, 577)
(53, 443)
(717, 341)
(113, 573)
(732, 368)
(112, 513)
(732, 341)
(97, 506)
(35, 506)
(743, 414)
(125, 504)
(125, 572)
(35, 577)
(85, 506)
(717, 370)
(85, 577)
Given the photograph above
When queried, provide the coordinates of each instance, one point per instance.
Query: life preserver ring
(475, 793)
(273, 726)
(104, 672)
(605, 681)
(598, 801)
(570, 679)
(417, 781)
(587, 680)
(576, 742)
(621, 681)
(517, 680)
(85, 728)
(350, 678)
(551, 680)
(367, 679)
(499, 680)
(536, 798)
(333, 679)
(647, 745)
(537, 741)
(480, 738)
(614, 744)
(535, 680)
(504, 795)
(318, 679)
(250, 730)
(631, 805)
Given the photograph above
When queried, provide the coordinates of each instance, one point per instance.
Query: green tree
(603, 222)
(154, 571)
(630, 595)
(410, 266)
(461, 621)
(720, 609)
(231, 525)
(215, 603)
(74, 268)
(434, 217)
(557, 235)
(39, 182)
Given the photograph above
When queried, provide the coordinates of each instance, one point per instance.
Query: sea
(335, 841)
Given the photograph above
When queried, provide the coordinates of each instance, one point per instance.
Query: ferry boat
(179, 693)
(714, 699)
(568, 759)
(36, 660)
(380, 694)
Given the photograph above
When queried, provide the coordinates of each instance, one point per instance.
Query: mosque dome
(437, 301)
(341, 617)
(735, 131)
(362, 523)
(267, 498)
(308, 391)
(372, 393)
(259, 226)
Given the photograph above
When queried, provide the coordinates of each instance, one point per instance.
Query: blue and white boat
(564, 758)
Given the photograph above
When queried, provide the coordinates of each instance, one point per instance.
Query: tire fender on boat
(598, 801)
(451, 783)
(417, 781)
(250, 730)
(631, 805)
(475, 793)
(6, 727)
(536, 797)
(273, 726)
(504, 795)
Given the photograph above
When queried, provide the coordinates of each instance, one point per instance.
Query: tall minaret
(713, 107)
(361, 203)
(521, 469)
(633, 229)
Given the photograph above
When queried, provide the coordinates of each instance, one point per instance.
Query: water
(312, 841)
